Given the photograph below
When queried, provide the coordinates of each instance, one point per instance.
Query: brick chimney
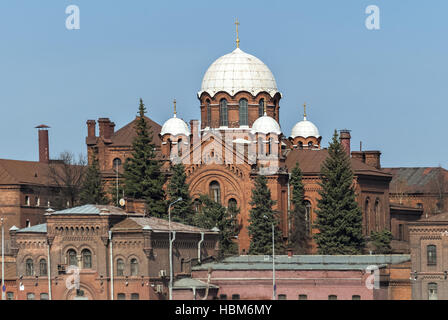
(91, 128)
(194, 128)
(344, 136)
(111, 129)
(44, 152)
(371, 158)
(104, 124)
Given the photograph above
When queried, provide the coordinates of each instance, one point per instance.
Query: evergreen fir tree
(299, 233)
(262, 216)
(339, 218)
(381, 241)
(212, 215)
(181, 211)
(92, 190)
(142, 176)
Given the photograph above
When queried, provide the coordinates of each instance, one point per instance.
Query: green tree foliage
(339, 218)
(212, 215)
(299, 233)
(381, 241)
(181, 211)
(92, 191)
(142, 176)
(262, 216)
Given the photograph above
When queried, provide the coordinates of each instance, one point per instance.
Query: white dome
(305, 129)
(238, 71)
(175, 126)
(266, 124)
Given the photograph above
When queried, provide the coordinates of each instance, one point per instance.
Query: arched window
(116, 163)
(29, 267)
(197, 205)
(270, 143)
(300, 145)
(310, 145)
(209, 113)
(43, 267)
(86, 259)
(432, 291)
(120, 267)
(308, 215)
(261, 108)
(243, 112)
(376, 210)
(223, 113)
(27, 200)
(215, 191)
(72, 259)
(232, 203)
(366, 214)
(179, 148)
(431, 252)
(134, 267)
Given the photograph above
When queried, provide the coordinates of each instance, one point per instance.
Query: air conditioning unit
(162, 273)
(159, 288)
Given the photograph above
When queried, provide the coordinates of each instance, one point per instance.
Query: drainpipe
(49, 270)
(199, 247)
(111, 268)
(289, 204)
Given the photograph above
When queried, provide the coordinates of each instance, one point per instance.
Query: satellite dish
(122, 202)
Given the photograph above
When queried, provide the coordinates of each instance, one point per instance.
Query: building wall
(316, 284)
(422, 235)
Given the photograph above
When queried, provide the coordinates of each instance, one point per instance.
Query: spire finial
(265, 114)
(174, 107)
(304, 111)
(237, 38)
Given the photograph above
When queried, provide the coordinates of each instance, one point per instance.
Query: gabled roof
(125, 135)
(417, 179)
(25, 172)
(310, 162)
(156, 225)
(91, 209)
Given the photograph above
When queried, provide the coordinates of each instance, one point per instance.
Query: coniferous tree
(142, 176)
(299, 233)
(92, 191)
(339, 218)
(262, 216)
(212, 215)
(381, 241)
(181, 211)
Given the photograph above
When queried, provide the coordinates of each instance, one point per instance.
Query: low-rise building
(301, 277)
(103, 252)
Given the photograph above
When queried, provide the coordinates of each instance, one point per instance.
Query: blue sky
(388, 86)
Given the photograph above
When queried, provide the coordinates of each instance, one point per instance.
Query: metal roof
(305, 262)
(188, 283)
(92, 209)
(38, 228)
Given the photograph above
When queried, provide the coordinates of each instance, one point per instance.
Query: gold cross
(174, 106)
(237, 38)
(304, 109)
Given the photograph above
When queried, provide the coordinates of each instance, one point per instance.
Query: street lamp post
(3, 260)
(171, 248)
(273, 265)
(274, 289)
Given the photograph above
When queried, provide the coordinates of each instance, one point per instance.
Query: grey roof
(38, 228)
(156, 225)
(189, 283)
(92, 209)
(306, 262)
